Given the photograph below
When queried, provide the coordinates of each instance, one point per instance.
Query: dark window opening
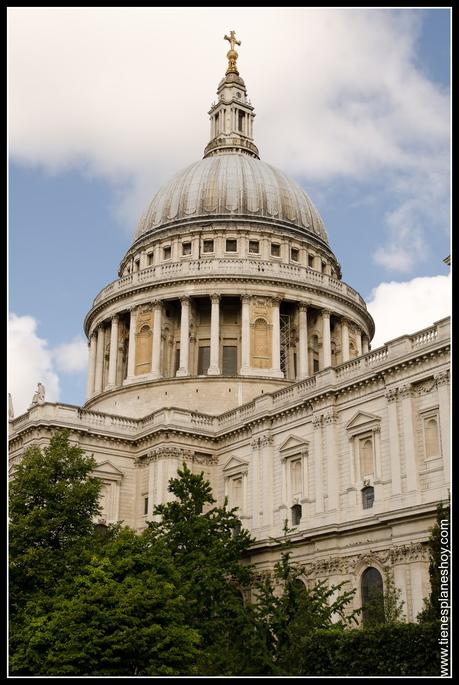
(254, 247)
(368, 497)
(296, 514)
(229, 360)
(150, 259)
(208, 246)
(310, 261)
(372, 596)
(203, 360)
(186, 248)
(145, 506)
(231, 245)
(177, 359)
(241, 116)
(275, 249)
(167, 251)
(294, 254)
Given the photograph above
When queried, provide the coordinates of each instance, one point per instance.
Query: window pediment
(235, 465)
(362, 422)
(293, 445)
(107, 470)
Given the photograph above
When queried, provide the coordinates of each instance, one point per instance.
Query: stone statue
(39, 395)
(10, 407)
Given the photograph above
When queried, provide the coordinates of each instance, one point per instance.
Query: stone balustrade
(74, 417)
(288, 273)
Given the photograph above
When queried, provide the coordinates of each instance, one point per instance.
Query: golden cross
(232, 39)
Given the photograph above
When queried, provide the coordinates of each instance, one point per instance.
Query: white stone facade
(230, 342)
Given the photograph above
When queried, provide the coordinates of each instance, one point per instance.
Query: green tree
(122, 615)
(207, 546)
(52, 504)
(431, 611)
(289, 611)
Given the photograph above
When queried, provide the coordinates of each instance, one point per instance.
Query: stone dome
(232, 186)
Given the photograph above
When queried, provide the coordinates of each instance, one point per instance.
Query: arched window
(372, 596)
(297, 477)
(296, 514)
(366, 457)
(261, 344)
(368, 497)
(431, 437)
(143, 346)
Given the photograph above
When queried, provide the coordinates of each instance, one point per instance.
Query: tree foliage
(207, 549)
(52, 504)
(121, 615)
(432, 608)
(288, 609)
(180, 598)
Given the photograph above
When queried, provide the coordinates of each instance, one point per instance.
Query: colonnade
(97, 343)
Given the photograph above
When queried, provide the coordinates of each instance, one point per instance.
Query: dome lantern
(231, 118)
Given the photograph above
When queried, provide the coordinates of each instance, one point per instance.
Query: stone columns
(303, 371)
(276, 336)
(214, 369)
(344, 340)
(156, 343)
(184, 337)
(99, 359)
(317, 263)
(405, 393)
(91, 365)
(326, 338)
(330, 419)
(131, 349)
(391, 397)
(245, 334)
(358, 339)
(318, 477)
(365, 344)
(113, 352)
(442, 379)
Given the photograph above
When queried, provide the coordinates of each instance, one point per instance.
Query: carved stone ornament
(317, 420)
(405, 391)
(442, 378)
(391, 394)
(330, 417)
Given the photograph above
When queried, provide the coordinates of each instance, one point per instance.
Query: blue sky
(92, 135)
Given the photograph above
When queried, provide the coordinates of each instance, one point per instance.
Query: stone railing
(263, 405)
(289, 273)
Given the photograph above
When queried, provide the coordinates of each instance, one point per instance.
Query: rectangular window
(316, 365)
(231, 245)
(368, 497)
(177, 359)
(186, 248)
(145, 506)
(275, 249)
(203, 360)
(310, 261)
(167, 251)
(229, 360)
(137, 265)
(207, 245)
(294, 254)
(254, 247)
(241, 121)
(149, 258)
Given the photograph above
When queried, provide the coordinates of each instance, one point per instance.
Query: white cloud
(71, 357)
(124, 92)
(402, 308)
(29, 362)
